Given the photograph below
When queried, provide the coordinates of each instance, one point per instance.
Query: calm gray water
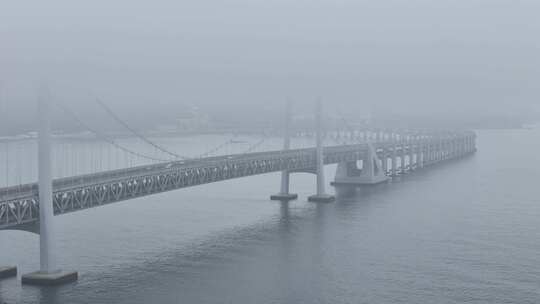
(463, 232)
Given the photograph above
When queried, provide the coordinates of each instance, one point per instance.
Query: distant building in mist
(193, 120)
(190, 120)
(333, 121)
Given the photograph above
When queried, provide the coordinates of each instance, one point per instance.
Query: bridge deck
(19, 205)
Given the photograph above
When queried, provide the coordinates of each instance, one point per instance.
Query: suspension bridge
(363, 157)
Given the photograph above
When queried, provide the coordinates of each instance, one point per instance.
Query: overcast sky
(425, 56)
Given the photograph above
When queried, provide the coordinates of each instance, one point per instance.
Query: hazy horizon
(410, 58)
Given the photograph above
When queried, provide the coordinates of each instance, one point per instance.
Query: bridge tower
(284, 194)
(49, 273)
(321, 195)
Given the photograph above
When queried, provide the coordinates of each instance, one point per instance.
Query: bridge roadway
(19, 205)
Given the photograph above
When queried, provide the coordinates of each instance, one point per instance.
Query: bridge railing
(29, 190)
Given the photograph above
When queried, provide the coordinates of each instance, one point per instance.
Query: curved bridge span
(32, 207)
(19, 206)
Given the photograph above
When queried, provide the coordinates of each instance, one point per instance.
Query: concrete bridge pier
(394, 161)
(402, 158)
(385, 163)
(435, 152)
(463, 147)
(442, 152)
(425, 154)
(321, 196)
(421, 154)
(411, 154)
(348, 174)
(472, 144)
(284, 193)
(49, 273)
(438, 153)
(431, 153)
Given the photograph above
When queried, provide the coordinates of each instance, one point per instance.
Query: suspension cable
(254, 146)
(216, 148)
(105, 138)
(160, 148)
(135, 132)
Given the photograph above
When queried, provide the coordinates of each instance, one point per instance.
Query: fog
(169, 172)
(425, 59)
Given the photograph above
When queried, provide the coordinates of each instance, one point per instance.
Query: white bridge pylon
(284, 194)
(49, 273)
(321, 196)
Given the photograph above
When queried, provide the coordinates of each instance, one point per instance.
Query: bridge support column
(321, 195)
(411, 155)
(438, 149)
(284, 194)
(430, 153)
(402, 158)
(49, 273)
(348, 174)
(436, 152)
(385, 163)
(425, 153)
(473, 144)
(421, 153)
(452, 149)
(442, 151)
(394, 161)
(445, 149)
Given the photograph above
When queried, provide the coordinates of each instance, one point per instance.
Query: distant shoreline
(90, 137)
